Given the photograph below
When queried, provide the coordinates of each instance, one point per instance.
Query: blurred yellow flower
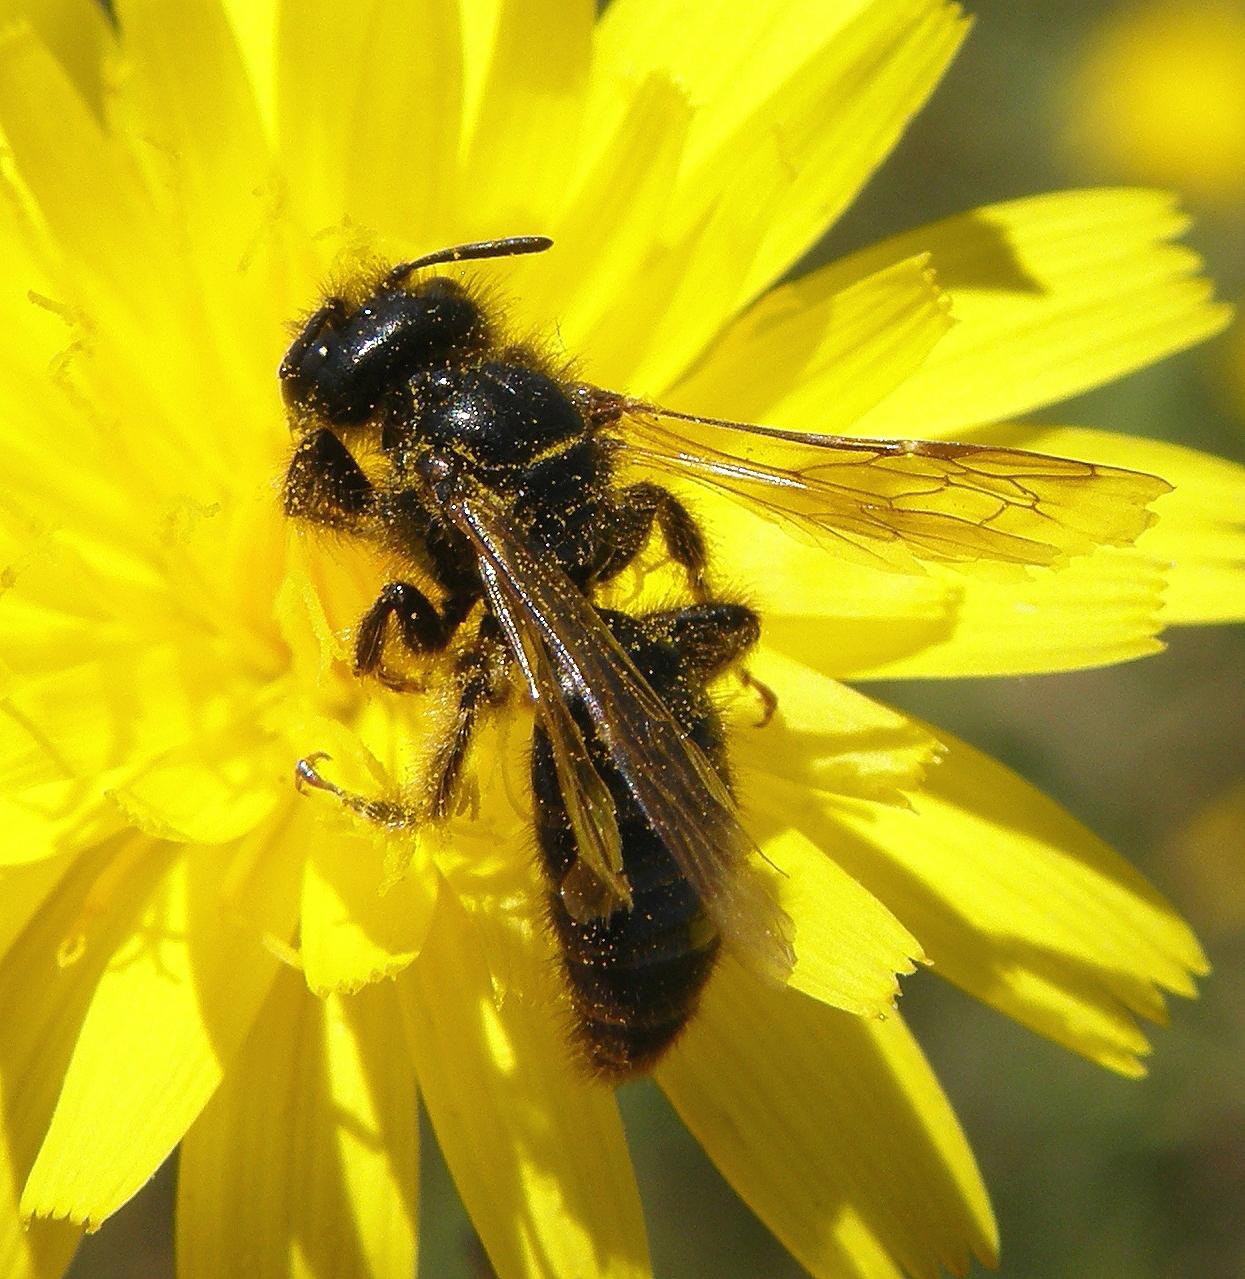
(1203, 858)
(174, 195)
(1159, 96)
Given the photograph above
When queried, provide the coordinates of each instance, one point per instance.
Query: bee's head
(346, 360)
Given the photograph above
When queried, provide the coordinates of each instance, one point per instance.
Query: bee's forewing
(679, 791)
(896, 504)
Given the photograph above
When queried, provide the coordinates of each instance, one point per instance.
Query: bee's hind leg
(709, 637)
(714, 636)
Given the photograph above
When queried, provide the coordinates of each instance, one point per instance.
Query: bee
(494, 474)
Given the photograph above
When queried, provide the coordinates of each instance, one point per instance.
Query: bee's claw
(305, 774)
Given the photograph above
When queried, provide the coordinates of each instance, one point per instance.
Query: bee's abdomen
(635, 977)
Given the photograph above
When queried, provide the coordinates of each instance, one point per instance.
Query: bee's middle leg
(636, 509)
(709, 637)
(713, 636)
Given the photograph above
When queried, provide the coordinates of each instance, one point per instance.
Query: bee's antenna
(510, 247)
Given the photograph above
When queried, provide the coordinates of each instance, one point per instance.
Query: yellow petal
(524, 116)
(600, 240)
(400, 157)
(254, 23)
(357, 923)
(43, 998)
(760, 74)
(328, 61)
(170, 1008)
(305, 1161)
(478, 22)
(80, 757)
(834, 127)
(191, 95)
(60, 151)
(46, 822)
(79, 722)
(211, 793)
(536, 1149)
(42, 1003)
(1051, 295)
(1199, 536)
(58, 600)
(318, 43)
(188, 95)
(76, 635)
(805, 358)
(31, 1250)
(825, 737)
(1020, 904)
(849, 621)
(41, 331)
(24, 889)
(730, 57)
(746, 209)
(77, 37)
(1098, 610)
(848, 946)
(833, 1129)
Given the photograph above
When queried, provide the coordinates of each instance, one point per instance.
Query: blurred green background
(1092, 1175)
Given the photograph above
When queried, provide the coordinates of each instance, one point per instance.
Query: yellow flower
(1203, 857)
(174, 197)
(1159, 96)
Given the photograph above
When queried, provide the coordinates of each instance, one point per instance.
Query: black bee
(496, 477)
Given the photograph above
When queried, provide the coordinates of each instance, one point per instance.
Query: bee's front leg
(391, 813)
(325, 485)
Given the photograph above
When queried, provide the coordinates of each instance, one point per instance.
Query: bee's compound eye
(308, 352)
(346, 362)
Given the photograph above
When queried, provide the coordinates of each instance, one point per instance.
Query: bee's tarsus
(469, 799)
(769, 699)
(382, 812)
